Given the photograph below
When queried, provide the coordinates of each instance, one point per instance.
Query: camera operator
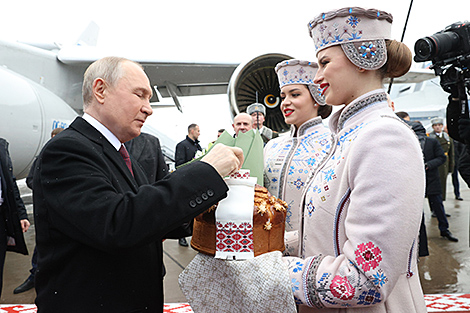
(457, 125)
(449, 51)
(459, 129)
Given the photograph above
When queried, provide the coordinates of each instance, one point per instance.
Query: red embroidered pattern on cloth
(232, 237)
(243, 174)
(449, 303)
(368, 256)
(341, 288)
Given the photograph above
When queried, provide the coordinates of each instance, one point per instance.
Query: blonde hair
(109, 69)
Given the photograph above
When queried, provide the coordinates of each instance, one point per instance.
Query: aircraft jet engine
(256, 81)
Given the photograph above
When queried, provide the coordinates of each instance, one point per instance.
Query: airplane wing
(170, 78)
(414, 76)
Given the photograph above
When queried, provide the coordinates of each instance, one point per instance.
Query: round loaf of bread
(269, 217)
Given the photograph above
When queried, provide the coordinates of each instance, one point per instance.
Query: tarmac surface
(445, 270)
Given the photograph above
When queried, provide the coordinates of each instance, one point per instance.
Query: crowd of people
(104, 201)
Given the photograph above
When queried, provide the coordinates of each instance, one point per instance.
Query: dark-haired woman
(290, 160)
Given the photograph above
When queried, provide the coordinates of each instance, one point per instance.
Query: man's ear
(99, 89)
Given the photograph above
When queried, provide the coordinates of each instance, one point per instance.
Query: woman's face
(338, 78)
(297, 104)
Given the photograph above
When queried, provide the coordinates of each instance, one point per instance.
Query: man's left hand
(25, 225)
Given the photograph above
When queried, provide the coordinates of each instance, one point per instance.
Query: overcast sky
(203, 30)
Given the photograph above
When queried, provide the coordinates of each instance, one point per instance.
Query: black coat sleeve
(84, 196)
(162, 167)
(180, 154)
(29, 178)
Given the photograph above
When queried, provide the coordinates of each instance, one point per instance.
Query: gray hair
(109, 69)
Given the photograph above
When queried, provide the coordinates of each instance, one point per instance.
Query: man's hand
(225, 160)
(24, 225)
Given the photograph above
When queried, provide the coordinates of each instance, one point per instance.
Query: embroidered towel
(234, 219)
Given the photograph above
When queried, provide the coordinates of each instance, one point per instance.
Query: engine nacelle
(26, 121)
(256, 81)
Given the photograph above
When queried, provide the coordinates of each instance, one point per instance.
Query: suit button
(204, 196)
(210, 192)
(198, 200)
(192, 203)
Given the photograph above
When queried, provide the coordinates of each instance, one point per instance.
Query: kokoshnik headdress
(294, 71)
(360, 32)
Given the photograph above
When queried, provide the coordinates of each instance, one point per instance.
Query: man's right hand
(226, 160)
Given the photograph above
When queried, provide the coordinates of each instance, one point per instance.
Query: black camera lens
(436, 45)
(424, 49)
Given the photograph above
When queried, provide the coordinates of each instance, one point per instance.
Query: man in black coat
(433, 157)
(185, 152)
(459, 129)
(99, 224)
(187, 148)
(14, 219)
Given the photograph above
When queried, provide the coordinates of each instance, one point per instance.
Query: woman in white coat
(362, 209)
(290, 160)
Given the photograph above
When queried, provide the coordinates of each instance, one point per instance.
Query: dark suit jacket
(99, 230)
(14, 209)
(146, 150)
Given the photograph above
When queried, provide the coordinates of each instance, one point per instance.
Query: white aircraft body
(40, 90)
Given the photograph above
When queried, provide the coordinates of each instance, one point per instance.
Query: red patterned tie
(127, 159)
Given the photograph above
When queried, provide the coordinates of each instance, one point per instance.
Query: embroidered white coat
(361, 217)
(289, 163)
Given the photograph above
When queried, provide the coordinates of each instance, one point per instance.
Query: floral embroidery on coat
(358, 272)
(341, 288)
(368, 256)
(290, 162)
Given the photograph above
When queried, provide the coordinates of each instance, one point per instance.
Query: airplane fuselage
(31, 81)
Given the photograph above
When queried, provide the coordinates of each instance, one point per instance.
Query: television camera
(449, 51)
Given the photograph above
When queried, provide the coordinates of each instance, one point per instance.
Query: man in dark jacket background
(187, 148)
(185, 152)
(14, 219)
(434, 157)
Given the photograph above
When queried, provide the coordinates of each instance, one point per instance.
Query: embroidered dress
(289, 163)
(359, 237)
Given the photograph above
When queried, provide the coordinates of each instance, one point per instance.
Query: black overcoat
(14, 209)
(433, 157)
(186, 150)
(99, 231)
